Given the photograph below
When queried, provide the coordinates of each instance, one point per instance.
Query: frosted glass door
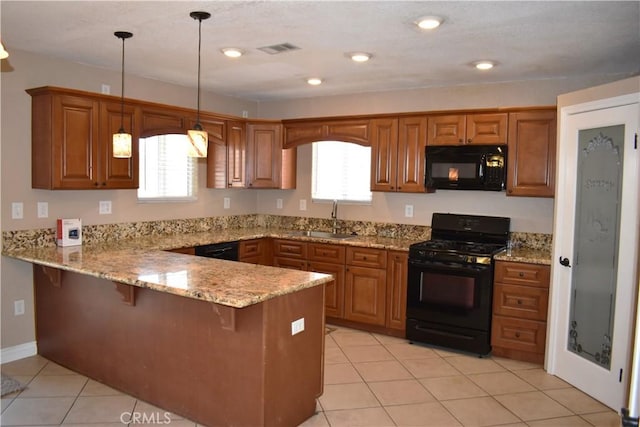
(596, 238)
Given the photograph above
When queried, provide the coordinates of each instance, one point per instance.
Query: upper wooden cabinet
(268, 165)
(72, 141)
(397, 154)
(236, 155)
(531, 155)
(460, 129)
(157, 120)
(305, 132)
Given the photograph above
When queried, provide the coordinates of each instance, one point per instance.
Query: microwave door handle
(483, 162)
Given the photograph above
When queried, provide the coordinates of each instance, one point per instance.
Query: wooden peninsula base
(207, 362)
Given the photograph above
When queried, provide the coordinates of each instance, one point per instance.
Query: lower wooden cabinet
(520, 303)
(397, 264)
(254, 251)
(365, 295)
(187, 251)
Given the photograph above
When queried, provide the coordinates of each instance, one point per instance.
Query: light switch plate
(17, 210)
(18, 307)
(226, 202)
(106, 89)
(104, 207)
(43, 210)
(303, 205)
(297, 326)
(408, 211)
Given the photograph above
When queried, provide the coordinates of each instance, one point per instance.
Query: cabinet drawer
(524, 302)
(248, 248)
(326, 253)
(517, 334)
(290, 249)
(367, 257)
(292, 263)
(520, 273)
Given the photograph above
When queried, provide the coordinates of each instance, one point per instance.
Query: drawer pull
(519, 302)
(517, 334)
(364, 258)
(521, 274)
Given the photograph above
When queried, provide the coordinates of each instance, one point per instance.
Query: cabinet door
(325, 252)
(118, 173)
(290, 249)
(264, 155)
(531, 157)
(216, 149)
(365, 295)
(485, 129)
(366, 257)
(397, 265)
(384, 152)
(236, 155)
(412, 140)
(446, 130)
(291, 263)
(334, 291)
(75, 143)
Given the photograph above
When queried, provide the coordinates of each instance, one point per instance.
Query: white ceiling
(529, 41)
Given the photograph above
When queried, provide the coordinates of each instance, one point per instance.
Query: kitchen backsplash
(112, 232)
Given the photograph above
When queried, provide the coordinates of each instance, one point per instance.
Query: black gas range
(450, 281)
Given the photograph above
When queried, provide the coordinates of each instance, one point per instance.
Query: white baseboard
(18, 352)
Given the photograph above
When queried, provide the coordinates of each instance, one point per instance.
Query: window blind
(341, 171)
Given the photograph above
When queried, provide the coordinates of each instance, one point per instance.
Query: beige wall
(24, 70)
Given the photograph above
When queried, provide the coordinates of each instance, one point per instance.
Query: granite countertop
(143, 262)
(523, 254)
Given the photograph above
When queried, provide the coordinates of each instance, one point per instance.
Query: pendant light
(198, 137)
(3, 52)
(122, 139)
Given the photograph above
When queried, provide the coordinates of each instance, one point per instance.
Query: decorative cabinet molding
(461, 129)
(531, 156)
(305, 132)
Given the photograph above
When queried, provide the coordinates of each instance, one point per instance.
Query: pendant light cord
(122, 93)
(199, 49)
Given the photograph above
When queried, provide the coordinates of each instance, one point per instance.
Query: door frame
(556, 339)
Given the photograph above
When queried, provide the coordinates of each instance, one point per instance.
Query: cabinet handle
(460, 141)
(399, 188)
(519, 302)
(364, 258)
(96, 184)
(104, 183)
(469, 141)
(517, 334)
(521, 274)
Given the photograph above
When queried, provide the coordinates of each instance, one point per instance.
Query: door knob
(564, 262)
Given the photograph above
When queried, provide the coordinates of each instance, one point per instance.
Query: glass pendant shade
(122, 144)
(198, 142)
(3, 52)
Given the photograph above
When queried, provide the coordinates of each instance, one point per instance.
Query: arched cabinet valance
(299, 132)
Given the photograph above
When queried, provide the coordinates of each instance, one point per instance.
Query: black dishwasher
(225, 250)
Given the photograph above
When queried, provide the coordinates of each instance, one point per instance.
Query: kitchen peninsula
(208, 339)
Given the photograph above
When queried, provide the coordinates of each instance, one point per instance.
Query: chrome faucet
(334, 216)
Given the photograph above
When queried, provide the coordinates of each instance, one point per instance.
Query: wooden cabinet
(397, 265)
(329, 259)
(460, 129)
(254, 251)
(306, 132)
(158, 120)
(268, 165)
(365, 285)
(520, 300)
(236, 155)
(531, 155)
(398, 154)
(72, 141)
(186, 251)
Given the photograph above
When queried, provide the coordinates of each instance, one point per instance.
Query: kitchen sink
(322, 234)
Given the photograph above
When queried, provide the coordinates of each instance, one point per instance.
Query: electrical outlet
(18, 308)
(17, 210)
(408, 211)
(104, 207)
(303, 205)
(43, 210)
(226, 202)
(245, 114)
(106, 89)
(297, 326)
(279, 203)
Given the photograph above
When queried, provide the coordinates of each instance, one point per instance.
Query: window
(341, 171)
(167, 173)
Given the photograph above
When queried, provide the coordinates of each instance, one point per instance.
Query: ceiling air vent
(278, 48)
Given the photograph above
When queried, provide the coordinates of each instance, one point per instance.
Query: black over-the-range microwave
(466, 167)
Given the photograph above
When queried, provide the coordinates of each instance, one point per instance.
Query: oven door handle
(440, 332)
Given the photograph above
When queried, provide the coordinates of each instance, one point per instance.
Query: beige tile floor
(370, 380)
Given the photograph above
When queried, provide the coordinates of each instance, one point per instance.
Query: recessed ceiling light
(232, 52)
(429, 22)
(484, 65)
(314, 81)
(360, 56)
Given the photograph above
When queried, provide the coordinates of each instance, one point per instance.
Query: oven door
(453, 294)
